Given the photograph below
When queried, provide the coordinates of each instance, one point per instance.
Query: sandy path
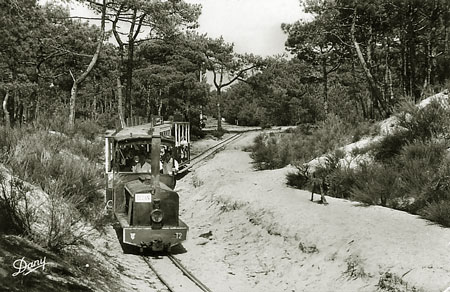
(268, 237)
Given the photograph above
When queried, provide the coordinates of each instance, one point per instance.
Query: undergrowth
(408, 170)
(62, 163)
(306, 142)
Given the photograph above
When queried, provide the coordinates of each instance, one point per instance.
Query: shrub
(341, 182)
(298, 179)
(362, 129)
(417, 167)
(88, 129)
(16, 212)
(269, 153)
(8, 141)
(264, 151)
(374, 184)
(43, 159)
(218, 133)
(331, 133)
(438, 211)
(431, 121)
(390, 146)
(92, 150)
(196, 132)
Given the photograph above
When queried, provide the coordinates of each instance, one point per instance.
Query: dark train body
(144, 202)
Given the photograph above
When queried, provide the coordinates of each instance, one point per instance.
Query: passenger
(170, 165)
(141, 164)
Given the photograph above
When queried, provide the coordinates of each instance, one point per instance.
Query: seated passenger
(141, 164)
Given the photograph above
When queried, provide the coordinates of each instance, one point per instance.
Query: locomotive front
(142, 198)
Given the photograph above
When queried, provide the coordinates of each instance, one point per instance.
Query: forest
(354, 59)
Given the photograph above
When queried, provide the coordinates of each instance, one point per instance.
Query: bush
(418, 165)
(374, 185)
(363, 129)
(64, 220)
(269, 153)
(341, 182)
(218, 133)
(92, 150)
(390, 146)
(331, 133)
(46, 159)
(438, 211)
(196, 132)
(16, 213)
(264, 152)
(298, 179)
(431, 121)
(88, 129)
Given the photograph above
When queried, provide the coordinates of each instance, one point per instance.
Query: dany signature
(24, 267)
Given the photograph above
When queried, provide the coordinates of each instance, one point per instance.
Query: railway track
(163, 267)
(175, 281)
(210, 151)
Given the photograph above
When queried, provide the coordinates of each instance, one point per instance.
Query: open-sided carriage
(141, 162)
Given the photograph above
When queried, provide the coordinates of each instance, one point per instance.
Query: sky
(254, 26)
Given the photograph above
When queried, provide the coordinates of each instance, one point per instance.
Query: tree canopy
(353, 59)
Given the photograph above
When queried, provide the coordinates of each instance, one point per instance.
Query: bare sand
(250, 232)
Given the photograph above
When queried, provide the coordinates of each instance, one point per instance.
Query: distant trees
(354, 59)
(78, 80)
(61, 63)
(226, 67)
(161, 20)
(398, 46)
(282, 93)
(37, 57)
(168, 81)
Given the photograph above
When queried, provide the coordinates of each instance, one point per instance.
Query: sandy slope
(268, 237)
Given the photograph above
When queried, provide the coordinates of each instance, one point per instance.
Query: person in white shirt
(170, 165)
(141, 165)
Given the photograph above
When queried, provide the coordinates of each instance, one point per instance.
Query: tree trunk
(129, 64)
(219, 114)
(413, 91)
(94, 106)
(404, 67)
(148, 108)
(160, 106)
(120, 101)
(325, 85)
(5, 110)
(78, 81)
(358, 97)
(374, 88)
(73, 99)
(428, 64)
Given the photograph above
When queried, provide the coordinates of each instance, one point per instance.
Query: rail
(160, 277)
(188, 274)
(210, 151)
(180, 267)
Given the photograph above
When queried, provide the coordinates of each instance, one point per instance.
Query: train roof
(141, 132)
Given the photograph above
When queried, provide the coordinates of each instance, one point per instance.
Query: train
(142, 161)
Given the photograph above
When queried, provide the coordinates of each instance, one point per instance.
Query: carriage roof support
(182, 133)
(156, 148)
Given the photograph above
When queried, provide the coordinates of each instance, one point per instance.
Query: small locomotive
(141, 163)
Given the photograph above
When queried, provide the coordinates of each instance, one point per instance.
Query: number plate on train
(143, 198)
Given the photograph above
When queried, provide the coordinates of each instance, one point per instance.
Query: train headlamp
(157, 215)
